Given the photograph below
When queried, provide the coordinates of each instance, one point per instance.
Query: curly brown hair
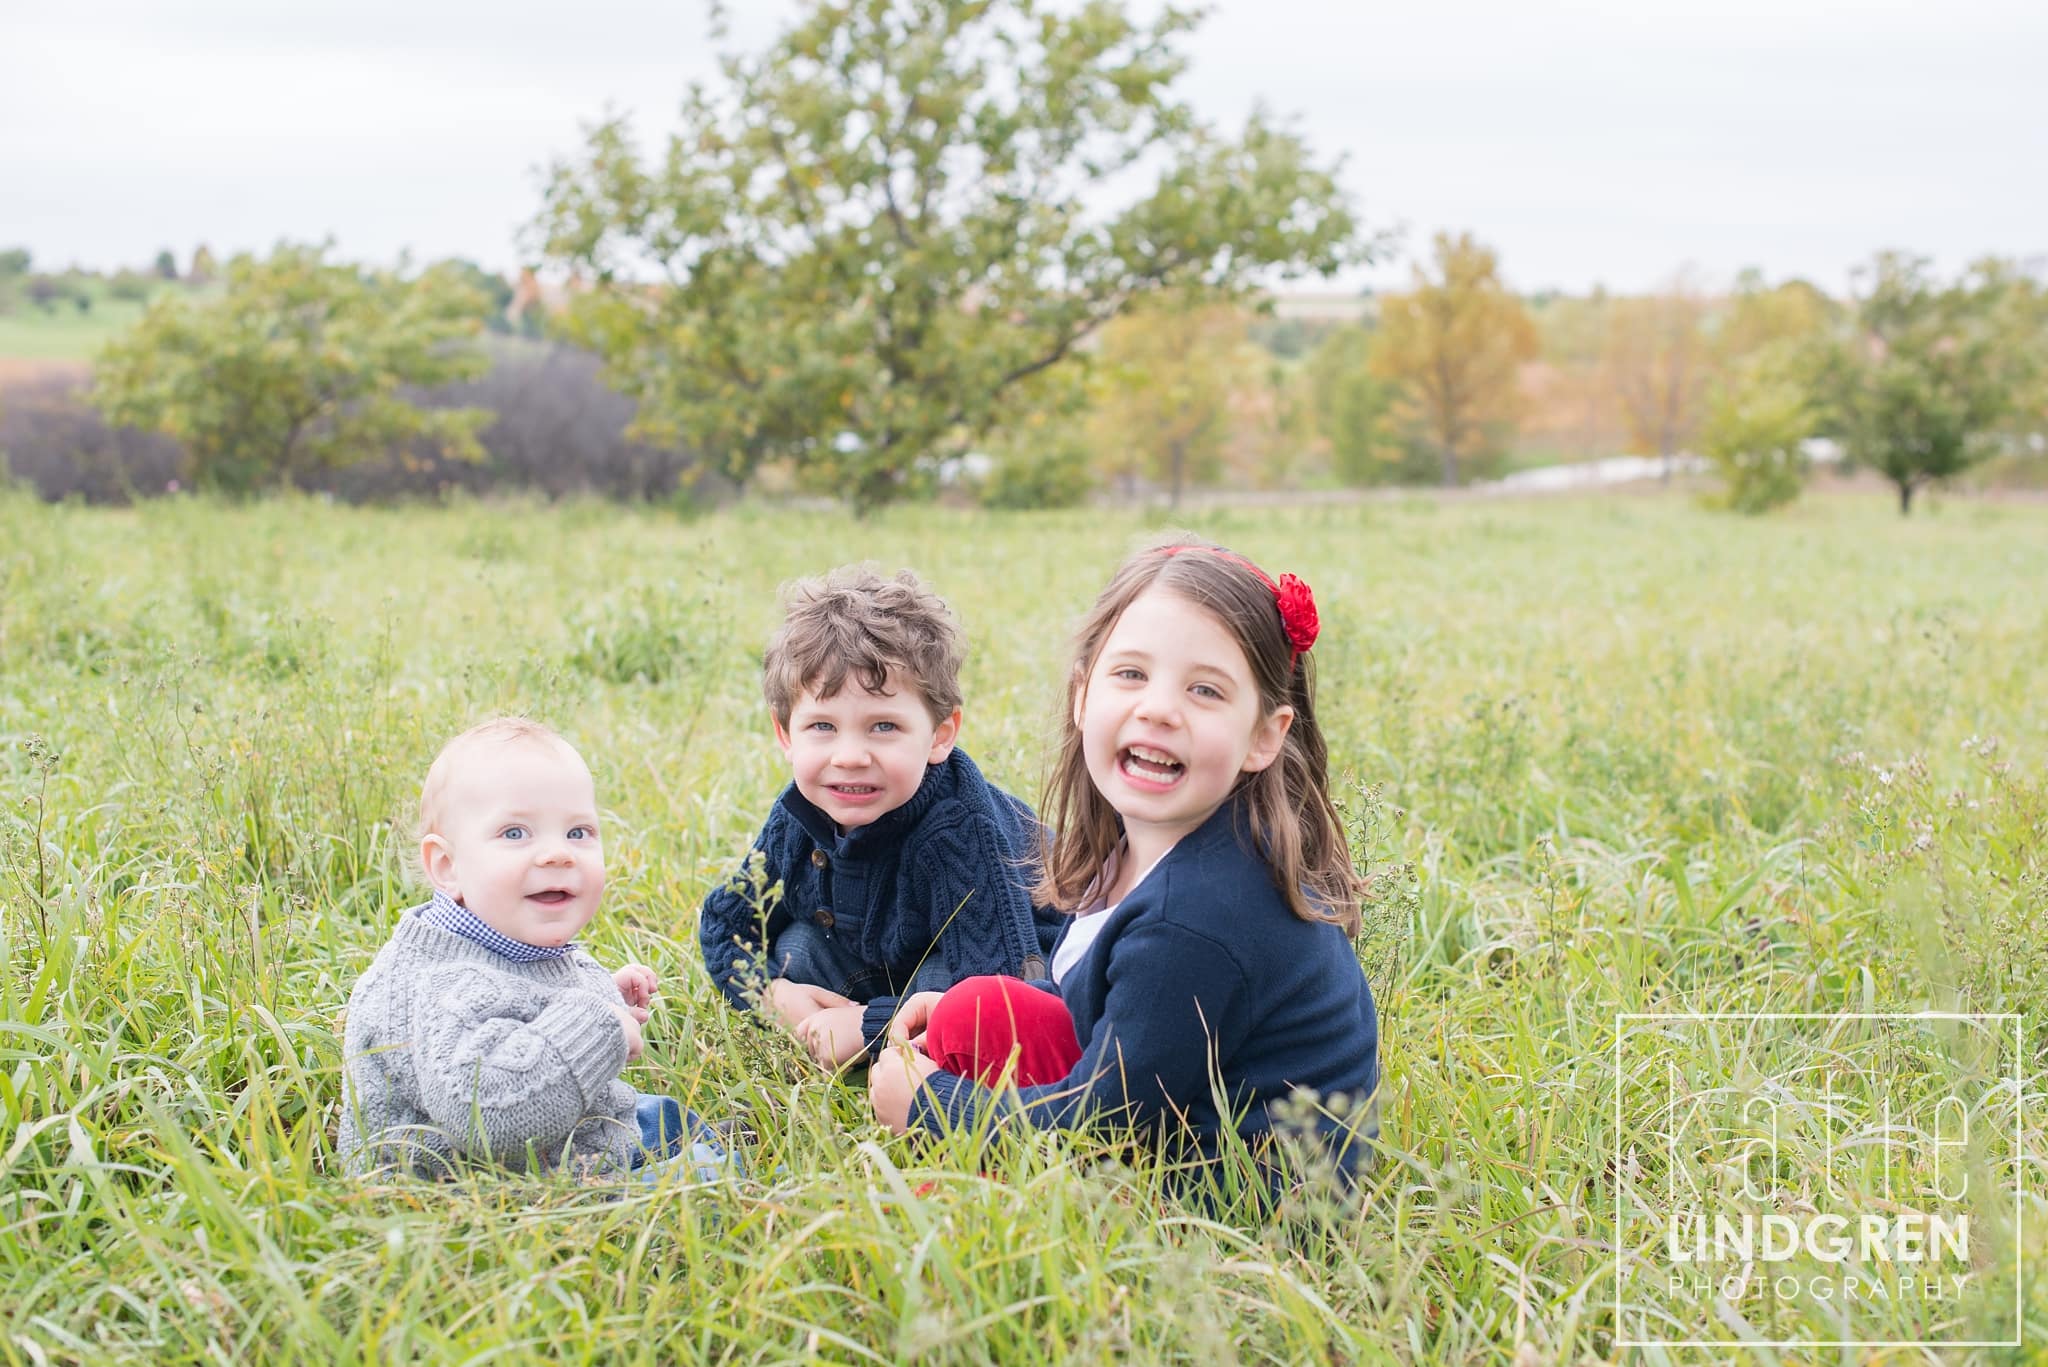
(854, 622)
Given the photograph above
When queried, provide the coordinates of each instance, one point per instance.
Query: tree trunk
(1176, 468)
(1905, 497)
(1450, 463)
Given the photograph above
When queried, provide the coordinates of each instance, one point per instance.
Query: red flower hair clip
(1297, 613)
(1297, 605)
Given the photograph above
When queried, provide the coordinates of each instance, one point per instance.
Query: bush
(1753, 432)
(1048, 467)
(53, 441)
(555, 428)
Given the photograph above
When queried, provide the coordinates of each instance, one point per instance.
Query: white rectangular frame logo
(1621, 1022)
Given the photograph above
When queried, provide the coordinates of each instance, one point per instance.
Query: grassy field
(1600, 757)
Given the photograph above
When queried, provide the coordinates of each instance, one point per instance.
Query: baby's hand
(636, 984)
(631, 1024)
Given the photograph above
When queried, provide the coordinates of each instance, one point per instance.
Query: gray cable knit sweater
(451, 1049)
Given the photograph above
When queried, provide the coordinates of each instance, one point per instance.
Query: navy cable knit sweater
(949, 868)
(1202, 969)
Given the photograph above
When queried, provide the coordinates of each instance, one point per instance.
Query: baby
(481, 1029)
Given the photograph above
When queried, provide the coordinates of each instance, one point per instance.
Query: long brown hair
(1294, 825)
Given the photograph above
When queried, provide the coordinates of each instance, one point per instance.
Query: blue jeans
(672, 1137)
(806, 953)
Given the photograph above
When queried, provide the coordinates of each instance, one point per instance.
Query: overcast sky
(1607, 142)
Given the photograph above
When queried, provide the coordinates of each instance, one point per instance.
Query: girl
(1208, 972)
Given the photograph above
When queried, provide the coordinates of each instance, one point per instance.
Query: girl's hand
(912, 1015)
(637, 983)
(631, 1024)
(833, 1036)
(894, 1081)
(795, 1003)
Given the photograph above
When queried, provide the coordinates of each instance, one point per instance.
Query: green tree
(2015, 296)
(1919, 388)
(1455, 345)
(1757, 419)
(493, 291)
(165, 265)
(859, 246)
(1354, 409)
(297, 363)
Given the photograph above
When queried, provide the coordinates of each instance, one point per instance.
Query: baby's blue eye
(582, 833)
(513, 833)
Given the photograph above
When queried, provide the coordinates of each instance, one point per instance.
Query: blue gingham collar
(450, 915)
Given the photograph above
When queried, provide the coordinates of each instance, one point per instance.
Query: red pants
(986, 1028)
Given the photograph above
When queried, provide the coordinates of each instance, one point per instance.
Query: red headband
(1297, 605)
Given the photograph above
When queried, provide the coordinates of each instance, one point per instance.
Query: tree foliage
(296, 364)
(2014, 295)
(1757, 419)
(1919, 388)
(1757, 316)
(1455, 345)
(1164, 379)
(1353, 409)
(862, 243)
(1656, 355)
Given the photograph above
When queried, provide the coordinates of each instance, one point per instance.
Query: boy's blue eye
(513, 833)
(886, 726)
(819, 726)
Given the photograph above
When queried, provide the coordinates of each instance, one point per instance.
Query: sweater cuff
(948, 1101)
(874, 1024)
(588, 1035)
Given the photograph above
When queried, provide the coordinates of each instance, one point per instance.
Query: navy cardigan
(1202, 974)
(949, 868)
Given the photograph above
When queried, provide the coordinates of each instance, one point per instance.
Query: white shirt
(1080, 937)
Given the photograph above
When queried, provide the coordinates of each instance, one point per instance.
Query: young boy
(480, 1029)
(901, 869)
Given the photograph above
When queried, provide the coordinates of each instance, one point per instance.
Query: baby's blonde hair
(505, 730)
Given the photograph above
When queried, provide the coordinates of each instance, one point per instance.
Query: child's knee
(801, 955)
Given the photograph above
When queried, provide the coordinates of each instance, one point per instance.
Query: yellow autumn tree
(1163, 385)
(1759, 316)
(1657, 358)
(1455, 344)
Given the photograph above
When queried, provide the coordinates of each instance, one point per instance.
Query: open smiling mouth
(1150, 766)
(855, 789)
(551, 897)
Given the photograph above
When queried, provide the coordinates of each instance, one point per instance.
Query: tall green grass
(1599, 757)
